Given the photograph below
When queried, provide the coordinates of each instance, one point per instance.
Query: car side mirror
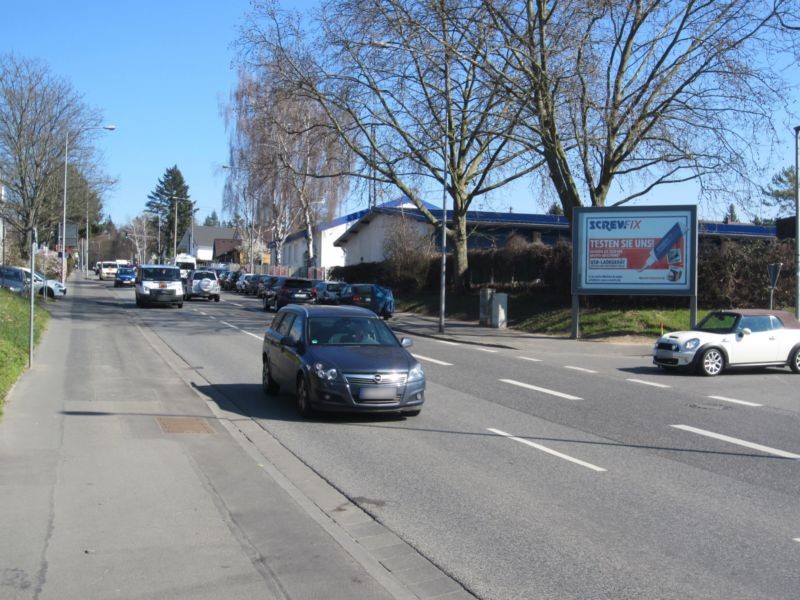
(746, 331)
(406, 342)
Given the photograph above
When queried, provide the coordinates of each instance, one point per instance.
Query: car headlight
(324, 372)
(416, 373)
(692, 344)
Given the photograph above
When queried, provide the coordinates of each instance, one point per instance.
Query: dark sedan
(340, 358)
(377, 298)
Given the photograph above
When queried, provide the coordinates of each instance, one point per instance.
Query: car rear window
(362, 289)
(334, 287)
(205, 274)
(298, 283)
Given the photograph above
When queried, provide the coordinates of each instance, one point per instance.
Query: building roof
(205, 236)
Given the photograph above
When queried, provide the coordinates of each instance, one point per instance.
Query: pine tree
(171, 190)
(212, 220)
(780, 192)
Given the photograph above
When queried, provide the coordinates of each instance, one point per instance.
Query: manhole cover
(183, 425)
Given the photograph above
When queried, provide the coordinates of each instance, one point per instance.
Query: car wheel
(50, 293)
(266, 305)
(180, 304)
(304, 397)
(268, 384)
(794, 361)
(412, 413)
(138, 302)
(216, 298)
(712, 362)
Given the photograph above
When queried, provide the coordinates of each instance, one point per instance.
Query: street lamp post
(64, 208)
(797, 222)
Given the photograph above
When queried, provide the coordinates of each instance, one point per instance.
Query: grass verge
(14, 335)
(537, 314)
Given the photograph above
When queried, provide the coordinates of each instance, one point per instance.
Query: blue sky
(158, 70)
(161, 72)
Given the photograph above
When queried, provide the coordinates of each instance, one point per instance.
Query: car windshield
(350, 331)
(186, 266)
(125, 271)
(160, 274)
(204, 275)
(718, 322)
(362, 289)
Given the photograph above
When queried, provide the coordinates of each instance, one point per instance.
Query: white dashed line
(643, 382)
(529, 358)
(433, 360)
(738, 442)
(579, 369)
(448, 343)
(548, 450)
(237, 304)
(239, 329)
(228, 324)
(528, 386)
(796, 539)
(724, 399)
(258, 337)
(202, 313)
(485, 349)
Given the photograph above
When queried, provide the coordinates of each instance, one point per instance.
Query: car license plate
(162, 285)
(378, 393)
(300, 295)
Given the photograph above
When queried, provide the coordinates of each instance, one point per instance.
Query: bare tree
(635, 94)
(37, 112)
(399, 82)
(139, 234)
(283, 159)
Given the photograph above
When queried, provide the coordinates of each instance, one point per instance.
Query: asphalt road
(545, 468)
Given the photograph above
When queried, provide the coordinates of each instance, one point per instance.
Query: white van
(108, 270)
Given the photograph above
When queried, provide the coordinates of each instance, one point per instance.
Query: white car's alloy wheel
(712, 362)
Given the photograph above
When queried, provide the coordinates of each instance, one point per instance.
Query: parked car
(241, 282)
(291, 290)
(13, 279)
(251, 288)
(125, 276)
(340, 358)
(264, 281)
(269, 291)
(202, 284)
(159, 285)
(733, 338)
(327, 292)
(55, 289)
(229, 284)
(108, 270)
(377, 298)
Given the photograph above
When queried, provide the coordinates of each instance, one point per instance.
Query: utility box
(499, 311)
(484, 313)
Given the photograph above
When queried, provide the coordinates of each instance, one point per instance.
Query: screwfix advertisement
(641, 250)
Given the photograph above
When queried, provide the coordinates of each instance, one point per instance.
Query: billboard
(634, 250)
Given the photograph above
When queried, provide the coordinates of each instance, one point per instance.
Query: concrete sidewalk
(118, 479)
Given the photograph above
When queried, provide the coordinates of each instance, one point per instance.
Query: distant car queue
(274, 291)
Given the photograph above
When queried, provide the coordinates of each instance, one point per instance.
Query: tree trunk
(460, 258)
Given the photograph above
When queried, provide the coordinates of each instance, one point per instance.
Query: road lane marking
(540, 389)
(239, 329)
(433, 360)
(796, 539)
(732, 440)
(579, 369)
(529, 358)
(548, 450)
(485, 349)
(643, 382)
(724, 399)
(448, 343)
(204, 314)
(237, 304)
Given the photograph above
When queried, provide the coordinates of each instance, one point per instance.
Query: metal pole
(64, 214)
(86, 258)
(30, 291)
(797, 222)
(175, 232)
